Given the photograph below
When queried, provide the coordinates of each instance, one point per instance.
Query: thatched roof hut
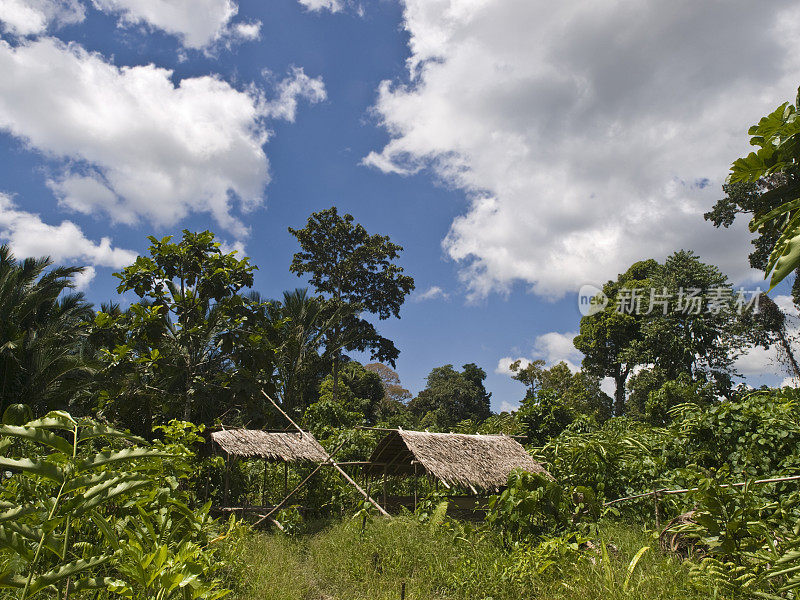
(280, 446)
(483, 461)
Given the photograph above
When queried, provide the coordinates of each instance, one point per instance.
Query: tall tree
(395, 397)
(451, 396)
(356, 269)
(769, 180)
(684, 319)
(579, 392)
(304, 324)
(43, 326)
(607, 338)
(193, 347)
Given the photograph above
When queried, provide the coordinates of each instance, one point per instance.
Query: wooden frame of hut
(469, 461)
(285, 446)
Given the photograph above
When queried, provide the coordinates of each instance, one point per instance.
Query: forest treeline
(108, 483)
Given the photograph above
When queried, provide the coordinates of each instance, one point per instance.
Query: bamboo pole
(294, 491)
(330, 460)
(666, 492)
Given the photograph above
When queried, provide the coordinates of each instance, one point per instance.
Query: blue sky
(516, 150)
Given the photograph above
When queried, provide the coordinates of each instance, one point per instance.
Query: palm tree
(42, 329)
(305, 344)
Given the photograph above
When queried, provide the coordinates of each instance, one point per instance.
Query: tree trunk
(619, 394)
(335, 377)
(789, 354)
(336, 367)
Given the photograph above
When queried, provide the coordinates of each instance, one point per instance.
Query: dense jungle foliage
(110, 486)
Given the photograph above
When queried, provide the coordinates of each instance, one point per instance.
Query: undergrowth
(455, 561)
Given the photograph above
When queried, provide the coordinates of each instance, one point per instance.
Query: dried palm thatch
(483, 461)
(674, 537)
(288, 447)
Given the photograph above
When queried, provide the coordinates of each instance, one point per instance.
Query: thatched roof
(289, 447)
(483, 461)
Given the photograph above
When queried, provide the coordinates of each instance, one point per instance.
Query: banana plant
(58, 483)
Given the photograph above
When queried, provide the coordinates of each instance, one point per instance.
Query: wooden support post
(384, 484)
(658, 511)
(264, 485)
(299, 485)
(364, 518)
(330, 460)
(415, 487)
(285, 478)
(227, 478)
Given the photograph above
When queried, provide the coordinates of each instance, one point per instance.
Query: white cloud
(787, 305)
(237, 246)
(318, 5)
(506, 406)
(555, 347)
(31, 17)
(84, 279)
(769, 365)
(586, 135)
(504, 365)
(198, 23)
(28, 235)
(297, 85)
(789, 382)
(136, 145)
(432, 293)
(552, 347)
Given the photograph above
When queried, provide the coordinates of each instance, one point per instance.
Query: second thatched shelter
(471, 461)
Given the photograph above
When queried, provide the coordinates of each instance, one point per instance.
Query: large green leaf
(783, 209)
(107, 458)
(18, 511)
(752, 167)
(57, 419)
(15, 542)
(108, 492)
(40, 468)
(52, 542)
(50, 578)
(39, 435)
(95, 430)
(9, 579)
(785, 257)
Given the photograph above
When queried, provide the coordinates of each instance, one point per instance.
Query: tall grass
(451, 562)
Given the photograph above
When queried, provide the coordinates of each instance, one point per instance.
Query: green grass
(449, 562)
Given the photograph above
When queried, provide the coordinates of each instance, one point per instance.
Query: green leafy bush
(94, 507)
(533, 505)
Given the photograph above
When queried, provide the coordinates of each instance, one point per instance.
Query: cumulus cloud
(83, 279)
(33, 17)
(133, 143)
(318, 5)
(585, 135)
(237, 246)
(198, 23)
(432, 293)
(769, 363)
(295, 86)
(552, 347)
(28, 235)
